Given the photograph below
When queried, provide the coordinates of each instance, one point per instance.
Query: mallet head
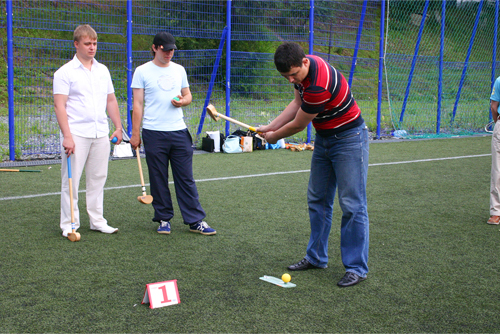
(212, 112)
(74, 236)
(147, 199)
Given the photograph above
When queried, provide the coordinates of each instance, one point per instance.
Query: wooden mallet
(73, 236)
(217, 115)
(145, 199)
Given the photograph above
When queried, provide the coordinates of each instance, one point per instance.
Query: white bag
(215, 135)
(123, 150)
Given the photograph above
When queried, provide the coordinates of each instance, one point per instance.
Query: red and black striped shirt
(326, 92)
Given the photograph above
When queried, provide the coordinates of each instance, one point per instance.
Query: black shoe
(350, 279)
(302, 265)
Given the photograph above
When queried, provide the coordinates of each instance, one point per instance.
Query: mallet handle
(140, 170)
(232, 120)
(70, 183)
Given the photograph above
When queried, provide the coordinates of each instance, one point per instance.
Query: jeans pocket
(347, 134)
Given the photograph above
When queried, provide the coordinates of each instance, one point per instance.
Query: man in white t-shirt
(83, 91)
(161, 89)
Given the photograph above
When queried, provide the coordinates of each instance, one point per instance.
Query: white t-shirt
(161, 85)
(87, 93)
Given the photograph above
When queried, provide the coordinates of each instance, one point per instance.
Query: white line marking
(427, 160)
(253, 175)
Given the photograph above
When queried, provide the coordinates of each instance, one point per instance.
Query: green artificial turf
(433, 259)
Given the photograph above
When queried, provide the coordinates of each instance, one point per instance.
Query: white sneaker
(106, 229)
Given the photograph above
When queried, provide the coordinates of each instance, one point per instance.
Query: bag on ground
(123, 150)
(232, 145)
(258, 142)
(222, 140)
(207, 144)
(247, 143)
(215, 135)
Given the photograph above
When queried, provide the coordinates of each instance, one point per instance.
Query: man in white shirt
(83, 91)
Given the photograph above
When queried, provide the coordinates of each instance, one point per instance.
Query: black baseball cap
(165, 41)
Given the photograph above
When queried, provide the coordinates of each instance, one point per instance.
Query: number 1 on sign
(165, 297)
(161, 294)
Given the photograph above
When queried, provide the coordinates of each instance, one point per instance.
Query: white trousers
(495, 172)
(91, 154)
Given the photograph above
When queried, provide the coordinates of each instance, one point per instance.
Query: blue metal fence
(35, 61)
(106, 17)
(336, 24)
(184, 18)
(245, 85)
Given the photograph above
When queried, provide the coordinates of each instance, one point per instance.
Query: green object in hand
(176, 98)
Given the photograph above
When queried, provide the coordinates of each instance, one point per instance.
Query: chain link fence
(429, 88)
(421, 101)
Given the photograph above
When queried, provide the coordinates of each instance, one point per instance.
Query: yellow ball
(286, 278)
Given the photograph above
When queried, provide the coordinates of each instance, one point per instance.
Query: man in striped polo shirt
(339, 161)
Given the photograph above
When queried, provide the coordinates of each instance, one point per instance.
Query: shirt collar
(77, 62)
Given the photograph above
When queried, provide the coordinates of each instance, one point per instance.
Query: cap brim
(169, 47)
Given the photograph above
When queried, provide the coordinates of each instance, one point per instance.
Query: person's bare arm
(114, 114)
(62, 118)
(138, 110)
(494, 109)
(299, 123)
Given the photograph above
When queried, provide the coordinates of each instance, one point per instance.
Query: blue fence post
(212, 80)
(129, 67)
(415, 55)
(440, 81)
(311, 51)
(10, 81)
(466, 64)
(228, 63)
(380, 67)
(311, 27)
(358, 39)
(494, 56)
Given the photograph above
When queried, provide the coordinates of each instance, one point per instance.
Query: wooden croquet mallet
(145, 199)
(73, 236)
(217, 115)
(20, 170)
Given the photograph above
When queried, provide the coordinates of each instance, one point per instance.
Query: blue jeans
(340, 161)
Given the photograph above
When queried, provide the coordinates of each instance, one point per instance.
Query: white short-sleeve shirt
(87, 92)
(161, 85)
